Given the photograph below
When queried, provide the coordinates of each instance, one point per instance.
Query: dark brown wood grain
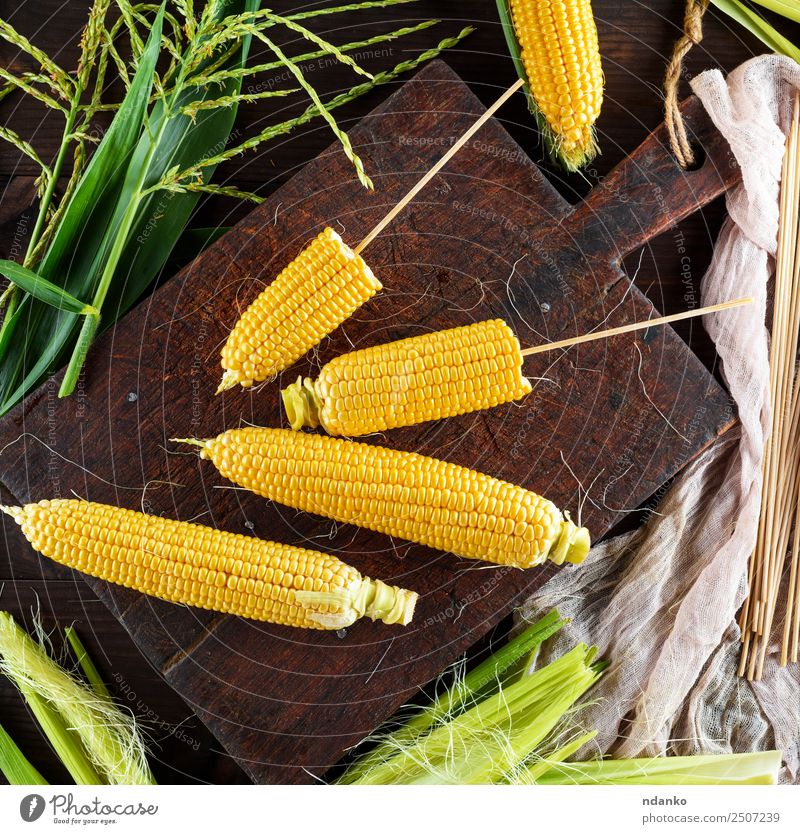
(489, 237)
(180, 745)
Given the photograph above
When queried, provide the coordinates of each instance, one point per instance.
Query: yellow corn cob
(398, 493)
(561, 57)
(411, 381)
(325, 284)
(207, 568)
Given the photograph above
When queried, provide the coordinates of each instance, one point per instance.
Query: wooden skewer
(637, 325)
(793, 604)
(454, 149)
(789, 642)
(785, 499)
(752, 609)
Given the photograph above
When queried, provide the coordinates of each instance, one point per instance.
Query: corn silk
(661, 602)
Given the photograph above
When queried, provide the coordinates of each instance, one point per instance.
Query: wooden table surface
(635, 38)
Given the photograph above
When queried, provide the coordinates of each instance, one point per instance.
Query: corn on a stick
(401, 494)
(96, 741)
(440, 374)
(316, 292)
(208, 568)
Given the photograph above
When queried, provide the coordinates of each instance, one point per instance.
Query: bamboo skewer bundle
(780, 499)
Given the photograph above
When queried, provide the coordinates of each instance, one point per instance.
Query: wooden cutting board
(489, 237)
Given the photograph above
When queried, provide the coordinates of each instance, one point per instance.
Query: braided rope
(692, 34)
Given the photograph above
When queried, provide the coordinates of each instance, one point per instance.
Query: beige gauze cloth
(661, 603)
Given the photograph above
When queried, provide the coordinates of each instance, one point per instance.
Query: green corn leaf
(489, 674)
(756, 25)
(172, 139)
(78, 243)
(14, 765)
(43, 290)
(492, 740)
(105, 172)
(86, 664)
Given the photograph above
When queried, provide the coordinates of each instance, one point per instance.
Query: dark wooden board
(489, 237)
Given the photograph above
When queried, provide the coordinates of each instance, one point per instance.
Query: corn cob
(208, 568)
(560, 55)
(401, 494)
(325, 284)
(410, 381)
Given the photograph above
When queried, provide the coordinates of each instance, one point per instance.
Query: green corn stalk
(43, 290)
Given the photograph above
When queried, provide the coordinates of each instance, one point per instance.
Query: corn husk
(114, 229)
(87, 727)
(492, 725)
(16, 769)
(758, 26)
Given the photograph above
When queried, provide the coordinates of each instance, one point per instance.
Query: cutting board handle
(649, 193)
